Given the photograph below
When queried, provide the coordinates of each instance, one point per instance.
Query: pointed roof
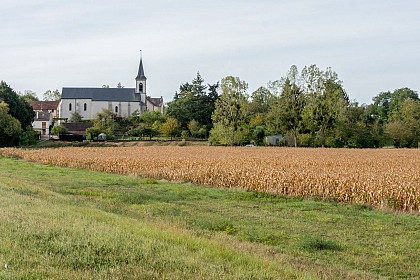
(140, 75)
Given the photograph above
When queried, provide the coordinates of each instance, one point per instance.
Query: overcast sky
(373, 45)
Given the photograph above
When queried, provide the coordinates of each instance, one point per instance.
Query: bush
(59, 129)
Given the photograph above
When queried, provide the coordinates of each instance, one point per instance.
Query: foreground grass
(67, 223)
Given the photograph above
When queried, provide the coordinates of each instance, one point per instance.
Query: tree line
(307, 108)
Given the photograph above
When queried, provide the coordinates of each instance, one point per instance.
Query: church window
(141, 87)
(70, 107)
(85, 107)
(116, 109)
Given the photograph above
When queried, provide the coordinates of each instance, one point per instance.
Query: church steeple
(140, 75)
(141, 80)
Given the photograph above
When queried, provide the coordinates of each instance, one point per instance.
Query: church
(121, 101)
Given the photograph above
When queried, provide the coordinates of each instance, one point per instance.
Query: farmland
(64, 223)
(382, 178)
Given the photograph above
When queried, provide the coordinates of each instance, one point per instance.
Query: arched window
(70, 107)
(85, 107)
(116, 109)
(140, 87)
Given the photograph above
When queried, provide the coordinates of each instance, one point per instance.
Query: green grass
(59, 223)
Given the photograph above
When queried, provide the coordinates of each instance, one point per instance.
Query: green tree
(385, 109)
(29, 137)
(75, 117)
(230, 112)
(359, 128)
(194, 128)
(404, 125)
(28, 95)
(103, 123)
(18, 107)
(10, 128)
(258, 135)
(58, 129)
(261, 99)
(326, 103)
(195, 101)
(286, 113)
(52, 95)
(170, 127)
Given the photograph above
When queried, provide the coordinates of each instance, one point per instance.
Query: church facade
(121, 101)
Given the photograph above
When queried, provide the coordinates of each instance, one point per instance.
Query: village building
(45, 112)
(88, 102)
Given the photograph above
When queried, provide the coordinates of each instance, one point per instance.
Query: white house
(45, 111)
(122, 101)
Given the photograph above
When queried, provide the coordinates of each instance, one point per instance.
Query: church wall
(93, 107)
(77, 105)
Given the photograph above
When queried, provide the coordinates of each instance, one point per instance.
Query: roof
(140, 75)
(79, 126)
(102, 94)
(44, 105)
(157, 101)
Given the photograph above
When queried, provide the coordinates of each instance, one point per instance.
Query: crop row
(382, 178)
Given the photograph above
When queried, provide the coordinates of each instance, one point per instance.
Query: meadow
(383, 178)
(66, 223)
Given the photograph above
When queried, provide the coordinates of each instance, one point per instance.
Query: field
(383, 178)
(63, 223)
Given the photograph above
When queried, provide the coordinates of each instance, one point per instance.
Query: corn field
(382, 178)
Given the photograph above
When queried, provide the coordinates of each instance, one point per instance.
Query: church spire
(140, 75)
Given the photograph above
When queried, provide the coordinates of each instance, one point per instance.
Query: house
(45, 112)
(274, 140)
(154, 104)
(121, 101)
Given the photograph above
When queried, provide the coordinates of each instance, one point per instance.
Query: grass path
(74, 224)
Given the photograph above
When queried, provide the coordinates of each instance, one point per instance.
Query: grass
(59, 223)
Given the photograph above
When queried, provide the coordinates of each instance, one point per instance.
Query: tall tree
(327, 103)
(286, 113)
(18, 107)
(194, 101)
(170, 127)
(28, 95)
(10, 128)
(52, 95)
(229, 114)
(404, 125)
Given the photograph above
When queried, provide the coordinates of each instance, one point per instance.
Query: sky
(373, 45)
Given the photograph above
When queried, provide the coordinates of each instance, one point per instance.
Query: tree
(29, 137)
(261, 99)
(170, 127)
(258, 135)
(404, 125)
(195, 101)
(52, 95)
(326, 103)
(286, 113)
(28, 95)
(75, 117)
(386, 109)
(103, 123)
(18, 107)
(194, 128)
(229, 114)
(58, 129)
(10, 128)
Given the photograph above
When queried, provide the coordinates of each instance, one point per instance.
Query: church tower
(141, 82)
